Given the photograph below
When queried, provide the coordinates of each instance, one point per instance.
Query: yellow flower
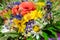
(27, 17)
(36, 14)
(40, 14)
(21, 28)
(16, 21)
(41, 4)
(33, 15)
(20, 25)
(36, 28)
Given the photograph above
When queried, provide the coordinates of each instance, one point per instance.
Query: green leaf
(47, 26)
(52, 28)
(50, 33)
(1, 21)
(54, 33)
(57, 25)
(41, 0)
(1, 34)
(45, 36)
(0, 28)
(12, 34)
(30, 38)
(56, 12)
(1, 8)
(4, 38)
(54, 5)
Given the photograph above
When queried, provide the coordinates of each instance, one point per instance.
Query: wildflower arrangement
(29, 21)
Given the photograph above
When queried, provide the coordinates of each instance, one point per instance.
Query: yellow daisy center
(36, 28)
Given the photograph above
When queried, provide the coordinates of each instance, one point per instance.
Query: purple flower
(16, 3)
(29, 26)
(30, 22)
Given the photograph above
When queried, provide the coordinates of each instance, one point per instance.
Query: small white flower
(4, 30)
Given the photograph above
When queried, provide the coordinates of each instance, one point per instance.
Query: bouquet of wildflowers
(29, 20)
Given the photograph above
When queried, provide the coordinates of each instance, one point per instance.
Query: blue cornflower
(49, 3)
(19, 16)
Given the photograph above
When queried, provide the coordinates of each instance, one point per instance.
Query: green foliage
(1, 21)
(49, 34)
(13, 35)
(1, 8)
(45, 36)
(50, 31)
(41, 0)
(56, 10)
(57, 26)
(30, 38)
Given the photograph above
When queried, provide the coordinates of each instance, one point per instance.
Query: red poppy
(26, 7)
(15, 9)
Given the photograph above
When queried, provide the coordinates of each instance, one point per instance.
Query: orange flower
(15, 9)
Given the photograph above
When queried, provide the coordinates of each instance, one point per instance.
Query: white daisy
(37, 28)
